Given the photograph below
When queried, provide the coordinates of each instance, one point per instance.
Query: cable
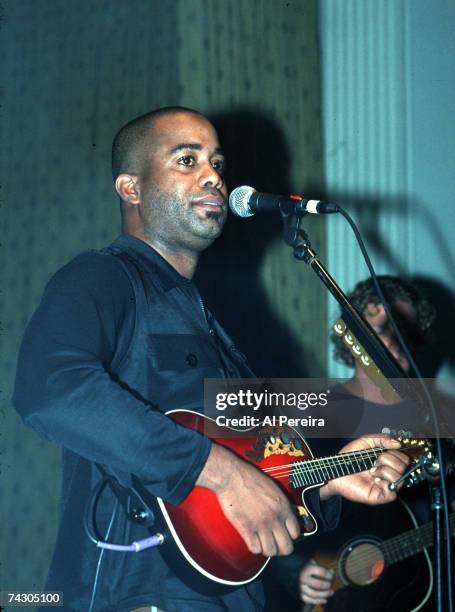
(100, 558)
(101, 542)
(90, 510)
(427, 397)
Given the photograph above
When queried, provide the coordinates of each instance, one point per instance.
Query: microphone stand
(295, 237)
(436, 509)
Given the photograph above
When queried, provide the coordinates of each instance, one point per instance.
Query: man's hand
(370, 487)
(315, 583)
(252, 502)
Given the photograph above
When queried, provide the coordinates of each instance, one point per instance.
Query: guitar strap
(226, 344)
(132, 502)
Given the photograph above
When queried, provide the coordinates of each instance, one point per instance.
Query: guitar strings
(320, 474)
(420, 536)
(368, 452)
(367, 557)
(304, 468)
(344, 458)
(392, 549)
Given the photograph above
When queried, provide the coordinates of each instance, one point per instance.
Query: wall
(432, 168)
(74, 72)
(388, 100)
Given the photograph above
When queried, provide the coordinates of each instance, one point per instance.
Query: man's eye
(187, 160)
(220, 166)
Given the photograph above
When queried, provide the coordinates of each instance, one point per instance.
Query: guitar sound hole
(362, 563)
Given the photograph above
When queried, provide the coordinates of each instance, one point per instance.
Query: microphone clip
(294, 235)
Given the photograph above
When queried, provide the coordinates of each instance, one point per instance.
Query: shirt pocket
(181, 352)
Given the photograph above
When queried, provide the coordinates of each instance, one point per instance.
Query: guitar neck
(411, 542)
(319, 471)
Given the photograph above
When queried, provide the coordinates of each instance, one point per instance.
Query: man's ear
(128, 188)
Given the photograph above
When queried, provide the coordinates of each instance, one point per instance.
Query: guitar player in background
(317, 585)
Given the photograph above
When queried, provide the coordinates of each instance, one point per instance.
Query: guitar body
(201, 545)
(203, 539)
(364, 582)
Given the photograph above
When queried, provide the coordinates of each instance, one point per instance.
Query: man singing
(120, 337)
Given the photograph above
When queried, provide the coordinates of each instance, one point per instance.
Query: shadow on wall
(367, 209)
(229, 277)
(441, 349)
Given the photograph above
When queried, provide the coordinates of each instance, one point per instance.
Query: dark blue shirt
(118, 339)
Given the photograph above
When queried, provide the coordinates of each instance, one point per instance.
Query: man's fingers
(318, 584)
(277, 538)
(269, 545)
(385, 472)
(283, 539)
(310, 594)
(390, 466)
(375, 441)
(251, 539)
(292, 526)
(255, 544)
(386, 442)
(393, 457)
(316, 576)
(315, 582)
(265, 512)
(312, 597)
(272, 540)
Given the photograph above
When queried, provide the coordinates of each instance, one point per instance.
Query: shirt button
(212, 332)
(191, 360)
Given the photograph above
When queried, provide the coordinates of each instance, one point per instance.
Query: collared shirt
(118, 339)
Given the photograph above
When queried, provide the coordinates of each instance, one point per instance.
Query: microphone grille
(238, 201)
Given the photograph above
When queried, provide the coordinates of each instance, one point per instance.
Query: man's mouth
(212, 203)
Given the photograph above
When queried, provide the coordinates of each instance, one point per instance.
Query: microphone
(246, 201)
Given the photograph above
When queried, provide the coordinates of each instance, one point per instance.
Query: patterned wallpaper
(74, 71)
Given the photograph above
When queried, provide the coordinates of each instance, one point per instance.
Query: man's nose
(210, 177)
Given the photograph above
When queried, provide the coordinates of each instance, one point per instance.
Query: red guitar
(205, 540)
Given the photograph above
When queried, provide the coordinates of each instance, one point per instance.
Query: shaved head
(169, 175)
(134, 141)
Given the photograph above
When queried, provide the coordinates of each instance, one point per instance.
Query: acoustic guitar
(380, 560)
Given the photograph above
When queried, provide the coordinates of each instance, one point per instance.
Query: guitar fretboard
(411, 542)
(319, 471)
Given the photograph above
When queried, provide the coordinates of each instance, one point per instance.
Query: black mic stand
(295, 237)
(434, 484)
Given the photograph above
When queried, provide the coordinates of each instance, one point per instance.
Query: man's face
(405, 317)
(183, 194)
